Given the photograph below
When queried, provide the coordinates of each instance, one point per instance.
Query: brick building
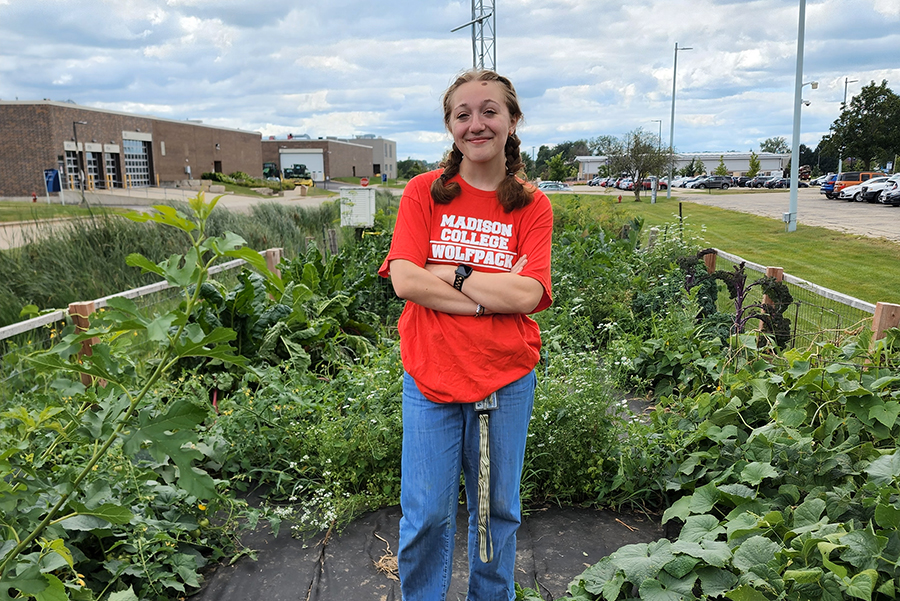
(384, 154)
(113, 149)
(324, 158)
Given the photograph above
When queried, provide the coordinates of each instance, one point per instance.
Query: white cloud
(346, 67)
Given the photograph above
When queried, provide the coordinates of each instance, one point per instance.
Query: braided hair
(513, 193)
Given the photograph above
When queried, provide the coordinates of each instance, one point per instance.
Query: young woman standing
(471, 256)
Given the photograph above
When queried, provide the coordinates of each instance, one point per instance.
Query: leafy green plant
(85, 426)
(790, 484)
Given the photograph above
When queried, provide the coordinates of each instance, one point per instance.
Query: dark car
(714, 181)
(759, 181)
(740, 180)
(785, 182)
(828, 187)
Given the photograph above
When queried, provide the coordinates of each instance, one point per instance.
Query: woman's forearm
(419, 285)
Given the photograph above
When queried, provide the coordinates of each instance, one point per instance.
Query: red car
(647, 185)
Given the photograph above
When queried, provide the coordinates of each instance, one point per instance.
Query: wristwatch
(462, 272)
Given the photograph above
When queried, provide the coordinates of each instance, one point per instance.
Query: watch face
(464, 270)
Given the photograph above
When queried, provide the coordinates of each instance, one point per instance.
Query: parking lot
(864, 219)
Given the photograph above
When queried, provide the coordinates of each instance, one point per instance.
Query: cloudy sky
(347, 67)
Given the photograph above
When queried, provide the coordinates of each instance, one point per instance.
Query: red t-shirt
(463, 358)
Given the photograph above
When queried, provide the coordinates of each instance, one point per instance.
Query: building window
(71, 170)
(111, 164)
(137, 163)
(92, 173)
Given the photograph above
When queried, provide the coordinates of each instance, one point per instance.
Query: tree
(721, 169)
(530, 172)
(410, 168)
(869, 129)
(754, 165)
(638, 155)
(778, 145)
(558, 169)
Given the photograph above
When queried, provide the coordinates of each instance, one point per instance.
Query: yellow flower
(201, 507)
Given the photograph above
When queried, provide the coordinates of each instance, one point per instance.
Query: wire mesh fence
(17, 341)
(817, 314)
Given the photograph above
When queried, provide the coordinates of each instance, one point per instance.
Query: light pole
(844, 108)
(672, 122)
(790, 217)
(659, 137)
(78, 159)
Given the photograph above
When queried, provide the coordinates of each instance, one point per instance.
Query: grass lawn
(866, 268)
(31, 211)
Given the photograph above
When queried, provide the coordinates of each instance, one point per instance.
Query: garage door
(311, 157)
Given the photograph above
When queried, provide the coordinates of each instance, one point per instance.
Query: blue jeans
(439, 441)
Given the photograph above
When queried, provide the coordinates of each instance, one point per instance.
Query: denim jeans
(439, 441)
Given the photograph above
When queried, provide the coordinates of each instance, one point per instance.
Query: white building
(737, 163)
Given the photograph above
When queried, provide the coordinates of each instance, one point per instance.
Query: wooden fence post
(886, 316)
(778, 274)
(710, 260)
(80, 314)
(273, 258)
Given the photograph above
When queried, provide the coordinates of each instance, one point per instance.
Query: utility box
(357, 207)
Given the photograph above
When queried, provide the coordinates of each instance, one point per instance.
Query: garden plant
(276, 399)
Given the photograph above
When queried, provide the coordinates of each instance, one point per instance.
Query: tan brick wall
(33, 135)
(340, 159)
(196, 145)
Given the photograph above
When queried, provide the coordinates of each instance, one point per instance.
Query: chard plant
(50, 489)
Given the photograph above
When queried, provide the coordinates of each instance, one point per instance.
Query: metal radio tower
(484, 34)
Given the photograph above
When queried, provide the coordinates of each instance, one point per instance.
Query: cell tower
(484, 34)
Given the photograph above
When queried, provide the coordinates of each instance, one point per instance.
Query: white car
(851, 193)
(871, 188)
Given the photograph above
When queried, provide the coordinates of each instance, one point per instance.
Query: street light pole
(659, 137)
(844, 108)
(78, 159)
(672, 122)
(791, 217)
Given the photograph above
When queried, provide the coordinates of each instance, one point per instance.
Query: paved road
(860, 218)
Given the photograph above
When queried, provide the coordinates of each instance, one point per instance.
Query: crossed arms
(432, 287)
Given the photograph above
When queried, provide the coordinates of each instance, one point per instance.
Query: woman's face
(480, 121)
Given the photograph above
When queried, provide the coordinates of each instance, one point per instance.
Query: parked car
(647, 184)
(891, 194)
(596, 181)
(687, 183)
(759, 181)
(828, 187)
(740, 181)
(785, 182)
(551, 186)
(819, 180)
(850, 193)
(870, 190)
(712, 181)
(852, 178)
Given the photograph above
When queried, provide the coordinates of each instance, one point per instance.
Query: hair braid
(442, 189)
(511, 193)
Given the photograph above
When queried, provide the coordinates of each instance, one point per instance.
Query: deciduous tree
(868, 129)
(638, 155)
(778, 145)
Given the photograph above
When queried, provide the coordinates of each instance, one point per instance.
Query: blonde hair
(512, 193)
